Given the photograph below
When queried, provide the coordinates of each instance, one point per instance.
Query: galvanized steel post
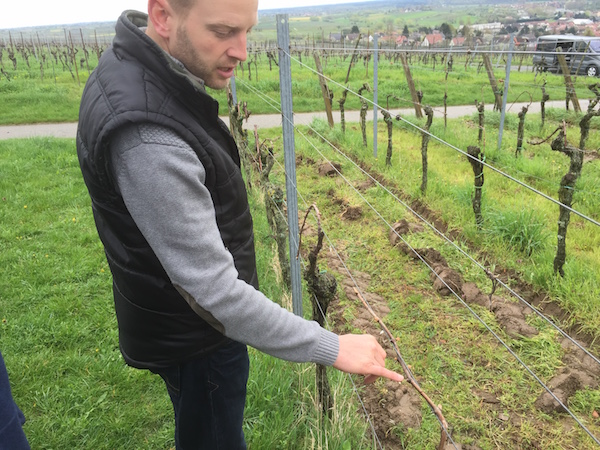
(285, 85)
(233, 90)
(375, 89)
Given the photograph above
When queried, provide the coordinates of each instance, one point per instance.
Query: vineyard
(478, 254)
(478, 221)
(51, 72)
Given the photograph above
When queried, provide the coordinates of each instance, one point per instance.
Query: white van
(582, 54)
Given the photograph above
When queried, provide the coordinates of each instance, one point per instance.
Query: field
(450, 340)
(471, 343)
(44, 83)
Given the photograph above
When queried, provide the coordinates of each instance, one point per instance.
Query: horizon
(40, 13)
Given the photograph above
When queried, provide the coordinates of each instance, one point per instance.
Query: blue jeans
(12, 436)
(208, 396)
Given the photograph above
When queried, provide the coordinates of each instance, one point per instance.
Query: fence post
(490, 72)
(233, 90)
(324, 89)
(285, 82)
(375, 87)
(571, 95)
(411, 86)
(506, 84)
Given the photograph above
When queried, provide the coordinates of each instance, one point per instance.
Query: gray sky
(23, 13)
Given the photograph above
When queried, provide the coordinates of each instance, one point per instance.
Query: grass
(58, 330)
(513, 215)
(452, 353)
(521, 230)
(59, 333)
(27, 98)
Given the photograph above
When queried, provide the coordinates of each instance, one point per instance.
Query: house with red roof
(433, 39)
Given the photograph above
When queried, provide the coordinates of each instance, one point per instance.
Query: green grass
(58, 330)
(31, 102)
(27, 98)
(59, 333)
(452, 354)
(517, 222)
(520, 230)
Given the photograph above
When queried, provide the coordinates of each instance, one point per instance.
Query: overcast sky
(24, 13)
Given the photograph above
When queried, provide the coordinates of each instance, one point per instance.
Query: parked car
(582, 54)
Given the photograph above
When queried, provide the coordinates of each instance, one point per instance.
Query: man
(171, 210)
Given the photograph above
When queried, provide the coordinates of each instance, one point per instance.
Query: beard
(189, 56)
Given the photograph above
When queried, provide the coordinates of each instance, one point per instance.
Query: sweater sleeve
(161, 181)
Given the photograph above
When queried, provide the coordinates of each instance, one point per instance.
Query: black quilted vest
(136, 83)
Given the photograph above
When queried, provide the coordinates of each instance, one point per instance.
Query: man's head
(207, 36)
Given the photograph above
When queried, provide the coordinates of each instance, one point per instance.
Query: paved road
(68, 130)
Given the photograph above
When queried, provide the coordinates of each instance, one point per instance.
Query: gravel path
(69, 130)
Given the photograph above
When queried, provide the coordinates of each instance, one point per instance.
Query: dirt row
(399, 404)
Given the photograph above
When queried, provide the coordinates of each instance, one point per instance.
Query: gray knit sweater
(161, 181)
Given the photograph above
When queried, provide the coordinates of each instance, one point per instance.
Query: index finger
(381, 371)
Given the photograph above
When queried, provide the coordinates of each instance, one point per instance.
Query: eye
(222, 34)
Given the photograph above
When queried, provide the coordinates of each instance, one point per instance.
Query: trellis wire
(458, 248)
(284, 216)
(440, 50)
(440, 140)
(498, 338)
(332, 246)
(357, 287)
(273, 104)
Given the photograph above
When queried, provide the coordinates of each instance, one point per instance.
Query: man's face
(211, 39)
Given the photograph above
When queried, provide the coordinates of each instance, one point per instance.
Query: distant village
(523, 29)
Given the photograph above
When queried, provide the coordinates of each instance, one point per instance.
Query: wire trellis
(274, 104)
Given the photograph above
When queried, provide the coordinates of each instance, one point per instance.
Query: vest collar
(132, 24)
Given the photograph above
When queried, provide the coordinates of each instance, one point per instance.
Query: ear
(160, 14)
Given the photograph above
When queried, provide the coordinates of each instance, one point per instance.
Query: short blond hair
(181, 6)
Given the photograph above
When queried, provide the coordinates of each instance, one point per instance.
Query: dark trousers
(11, 417)
(208, 396)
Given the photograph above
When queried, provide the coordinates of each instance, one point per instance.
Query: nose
(238, 48)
